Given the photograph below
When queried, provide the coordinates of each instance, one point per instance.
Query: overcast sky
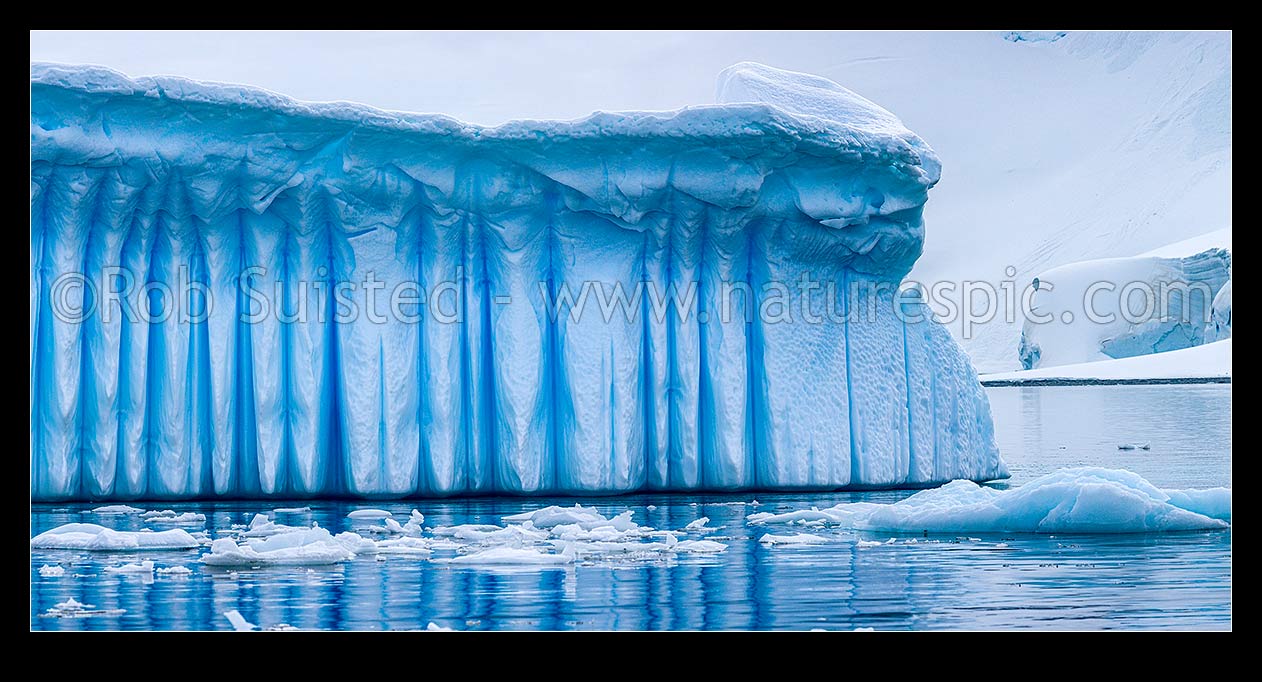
(485, 77)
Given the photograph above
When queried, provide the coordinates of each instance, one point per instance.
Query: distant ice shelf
(251, 194)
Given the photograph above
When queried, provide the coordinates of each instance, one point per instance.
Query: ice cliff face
(285, 215)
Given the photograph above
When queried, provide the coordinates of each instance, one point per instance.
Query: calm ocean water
(1175, 580)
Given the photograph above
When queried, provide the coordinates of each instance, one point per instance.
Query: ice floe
(117, 509)
(799, 539)
(369, 514)
(143, 567)
(47, 571)
(313, 546)
(239, 623)
(1076, 500)
(171, 516)
(175, 571)
(74, 609)
(90, 536)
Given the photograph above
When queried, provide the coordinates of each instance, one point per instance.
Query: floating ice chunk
(1134, 446)
(74, 609)
(799, 539)
(145, 567)
(175, 571)
(435, 627)
(811, 514)
(47, 571)
(117, 509)
(313, 546)
(699, 524)
(369, 514)
(651, 507)
(869, 543)
(171, 516)
(584, 517)
(291, 510)
(865, 629)
(1077, 500)
(698, 547)
(261, 527)
(575, 533)
(90, 536)
(407, 546)
(414, 524)
(239, 623)
(514, 556)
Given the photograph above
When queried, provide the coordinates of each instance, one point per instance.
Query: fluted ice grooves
(155, 174)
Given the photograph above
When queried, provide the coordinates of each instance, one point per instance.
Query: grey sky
(486, 77)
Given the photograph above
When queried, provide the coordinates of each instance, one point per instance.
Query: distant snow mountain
(1060, 149)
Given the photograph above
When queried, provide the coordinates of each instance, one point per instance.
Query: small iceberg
(239, 623)
(143, 567)
(1076, 500)
(799, 539)
(55, 571)
(117, 509)
(74, 609)
(91, 537)
(310, 547)
(369, 514)
(1134, 446)
(171, 516)
(514, 556)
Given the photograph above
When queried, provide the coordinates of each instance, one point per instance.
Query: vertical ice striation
(234, 294)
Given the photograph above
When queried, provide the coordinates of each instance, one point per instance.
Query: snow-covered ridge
(166, 176)
(1182, 281)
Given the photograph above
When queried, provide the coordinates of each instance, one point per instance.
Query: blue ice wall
(160, 195)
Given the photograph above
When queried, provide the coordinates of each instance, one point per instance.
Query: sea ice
(799, 539)
(1075, 500)
(47, 571)
(313, 546)
(117, 509)
(90, 536)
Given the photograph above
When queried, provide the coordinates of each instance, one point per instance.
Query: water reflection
(1071, 582)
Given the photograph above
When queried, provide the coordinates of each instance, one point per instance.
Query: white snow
(90, 536)
(1209, 360)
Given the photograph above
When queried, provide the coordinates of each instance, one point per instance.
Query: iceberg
(235, 294)
(308, 547)
(90, 536)
(1074, 500)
